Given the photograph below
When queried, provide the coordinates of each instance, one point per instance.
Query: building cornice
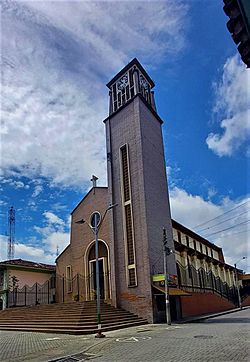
(197, 237)
(130, 101)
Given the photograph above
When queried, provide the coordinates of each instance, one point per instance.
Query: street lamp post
(95, 229)
(237, 282)
(97, 274)
(166, 252)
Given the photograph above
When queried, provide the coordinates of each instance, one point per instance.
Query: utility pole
(237, 281)
(237, 286)
(166, 252)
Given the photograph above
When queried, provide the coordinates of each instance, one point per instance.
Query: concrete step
(75, 318)
(75, 330)
(54, 316)
(75, 325)
(62, 320)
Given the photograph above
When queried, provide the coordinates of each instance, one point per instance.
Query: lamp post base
(99, 334)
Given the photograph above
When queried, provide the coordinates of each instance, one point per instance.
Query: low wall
(246, 302)
(204, 303)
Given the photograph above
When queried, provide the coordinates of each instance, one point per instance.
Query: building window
(53, 282)
(131, 277)
(95, 218)
(69, 279)
(206, 250)
(194, 244)
(125, 174)
(128, 218)
(179, 236)
(201, 248)
(129, 234)
(187, 241)
(212, 255)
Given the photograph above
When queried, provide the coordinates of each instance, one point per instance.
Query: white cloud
(15, 184)
(107, 32)
(37, 190)
(56, 240)
(58, 206)
(192, 210)
(32, 205)
(55, 233)
(27, 252)
(233, 105)
(3, 247)
(23, 250)
(53, 219)
(57, 57)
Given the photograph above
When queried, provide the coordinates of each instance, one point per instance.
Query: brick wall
(125, 128)
(204, 303)
(137, 127)
(80, 240)
(156, 191)
(246, 302)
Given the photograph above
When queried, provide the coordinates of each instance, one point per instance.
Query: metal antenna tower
(11, 225)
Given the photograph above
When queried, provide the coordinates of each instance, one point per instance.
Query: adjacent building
(25, 282)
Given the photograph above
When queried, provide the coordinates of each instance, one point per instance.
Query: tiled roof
(28, 264)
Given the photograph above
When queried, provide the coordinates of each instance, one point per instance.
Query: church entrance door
(103, 272)
(101, 276)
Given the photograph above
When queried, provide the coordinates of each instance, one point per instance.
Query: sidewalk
(211, 315)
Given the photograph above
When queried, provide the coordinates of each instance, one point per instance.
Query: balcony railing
(200, 280)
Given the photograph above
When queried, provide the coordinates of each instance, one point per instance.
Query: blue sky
(57, 58)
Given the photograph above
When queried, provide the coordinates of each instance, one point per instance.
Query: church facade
(131, 258)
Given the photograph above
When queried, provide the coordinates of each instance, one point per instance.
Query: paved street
(224, 338)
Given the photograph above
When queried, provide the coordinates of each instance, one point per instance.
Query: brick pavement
(40, 347)
(224, 338)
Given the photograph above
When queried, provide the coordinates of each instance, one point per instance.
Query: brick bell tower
(137, 182)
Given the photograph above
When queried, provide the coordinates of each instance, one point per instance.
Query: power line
(231, 227)
(239, 232)
(224, 213)
(221, 222)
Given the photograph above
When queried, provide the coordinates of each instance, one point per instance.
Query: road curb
(208, 316)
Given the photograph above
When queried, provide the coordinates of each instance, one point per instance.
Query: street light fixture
(237, 282)
(95, 229)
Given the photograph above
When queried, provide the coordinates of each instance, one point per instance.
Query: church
(130, 215)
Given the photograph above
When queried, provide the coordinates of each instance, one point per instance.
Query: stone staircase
(71, 318)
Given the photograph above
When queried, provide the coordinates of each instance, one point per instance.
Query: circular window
(95, 219)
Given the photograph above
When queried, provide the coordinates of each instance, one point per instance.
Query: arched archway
(1, 304)
(104, 274)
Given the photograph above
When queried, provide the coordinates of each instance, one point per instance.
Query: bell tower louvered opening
(129, 82)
